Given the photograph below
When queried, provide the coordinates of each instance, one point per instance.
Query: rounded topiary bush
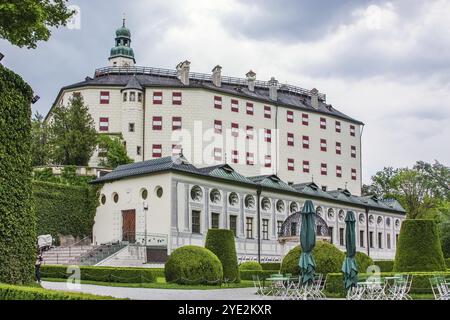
(221, 242)
(250, 265)
(363, 261)
(328, 259)
(419, 247)
(193, 265)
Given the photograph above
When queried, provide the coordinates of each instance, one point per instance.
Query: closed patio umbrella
(307, 242)
(349, 267)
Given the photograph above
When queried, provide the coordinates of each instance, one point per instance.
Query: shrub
(385, 265)
(193, 265)
(17, 219)
(363, 261)
(250, 265)
(221, 242)
(328, 259)
(262, 274)
(447, 262)
(271, 266)
(103, 274)
(445, 238)
(419, 248)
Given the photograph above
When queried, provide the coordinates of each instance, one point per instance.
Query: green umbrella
(349, 267)
(307, 242)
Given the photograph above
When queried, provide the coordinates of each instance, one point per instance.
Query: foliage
(250, 265)
(17, 218)
(39, 146)
(445, 238)
(419, 248)
(193, 265)
(222, 243)
(271, 265)
(73, 137)
(363, 261)
(385, 265)
(262, 274)
(114, 152)
(68, 176)
(106, 274)
(25, 22)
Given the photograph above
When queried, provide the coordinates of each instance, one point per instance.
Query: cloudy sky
(386, 63)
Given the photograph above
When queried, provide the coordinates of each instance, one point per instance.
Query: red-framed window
(305, 119)
(353, 151)
(157, 97)
(268, 161)
(234, 156)
(177, 98)
(290, 139)
(218, 154)
(103, 124)
(157, 151)
(290, 164)
(338, 126)
(353, 174)
(250, 132)
(338, 148)
(234, 105)
(249, 108)
(323, 123)
(338, 171)
(157, 123)
(305, 142)
(104, 97)
(234, 129)
(323, 145)
(352, 130)
(250, 158)
(323, 169)
(218, 126)
(267, 112)
(305, 166)
(176, 149)
(176, 123)
(290, 116)
(217, 102)
(267, 135)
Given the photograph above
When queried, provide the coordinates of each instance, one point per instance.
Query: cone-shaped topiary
(193, 265)
(419, 247)
(221, 242)
(250, 265)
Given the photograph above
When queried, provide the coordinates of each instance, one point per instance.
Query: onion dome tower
(122, 54)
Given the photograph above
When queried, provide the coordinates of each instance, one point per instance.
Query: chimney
(217, 76)
(251, 78)
(273, 89)
(183, 72)
(315, 98)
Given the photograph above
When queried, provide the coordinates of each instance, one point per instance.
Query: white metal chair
(440, 288)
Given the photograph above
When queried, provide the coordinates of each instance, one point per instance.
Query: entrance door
(129, 225)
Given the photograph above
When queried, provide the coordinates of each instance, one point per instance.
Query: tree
(25, 22)
(73, 137)
(113, 152)
(39, 135)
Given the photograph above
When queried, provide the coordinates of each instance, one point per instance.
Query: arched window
(196, 193)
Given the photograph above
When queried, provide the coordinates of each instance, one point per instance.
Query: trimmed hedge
(103, 274)
(262, 274)
(271, 266)
(385, 265)
(193, 265)
(363, 261)
(447, 262)
(250, 265)
(17, 218)
(419, 247)
(222, 243)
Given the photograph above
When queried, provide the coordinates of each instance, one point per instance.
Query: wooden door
(129, 225)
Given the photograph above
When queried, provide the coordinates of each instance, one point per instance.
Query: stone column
(274, 220)
(174, 216)
(186, 210)
(241, 217)
(206, 198)
(225, 211)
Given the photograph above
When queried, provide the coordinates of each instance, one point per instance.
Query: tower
(122, 54)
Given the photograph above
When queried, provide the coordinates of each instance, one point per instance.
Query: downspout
(360, 159)
(367, 231)
(276, 140)
(143, 125)
(258, 217)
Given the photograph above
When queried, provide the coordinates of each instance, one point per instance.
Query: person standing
(37, 268)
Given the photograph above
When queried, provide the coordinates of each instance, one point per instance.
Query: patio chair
(439, 288)
(397, 289)
(317, 287)
(356, 292)
(296, 290)
(260, 289)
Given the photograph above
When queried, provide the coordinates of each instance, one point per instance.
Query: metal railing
(149, 239)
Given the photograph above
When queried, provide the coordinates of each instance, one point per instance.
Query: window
(290, 116)
(341, 236)
(353, 174)
(323, 123)
(195, 221)
(306, 166)
(267, 112)
(124, 97)
(217, 102)
(215, 220)
(234, 129)
(323, 169)
(139, 96)
(293, 229)
(371, 239)
(353, 152)
(249, 132)
(361, 238)
(176, 123)
(157, 97)
(218, 154)
(104, 124)
(338, 171)
(250, 159)
(323, 145)
(249, 228)
(115, 197)
(157, 151)
(233, 224)
(279, 229)
(290, 164)
(388, 240)
(338, 148)
(380, 240)
(131, 127)
(338, 126)
(144, 194)
(290, 139)
(352, 130)
(138, 150)
(157, 123)
(305, 141)
(249, 108)
(176, 149)
(330, 230)
(234, 156)
(218, 126)
(103, 199)
(265, 229)
(234, 105)
(176, 98)
(305, 119)
(132, 96)
(268, 161)
(104, 97)
(159, 191)
(267, 135)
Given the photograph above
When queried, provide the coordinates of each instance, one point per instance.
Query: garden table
(278, 284)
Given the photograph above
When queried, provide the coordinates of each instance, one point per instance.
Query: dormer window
(132, 96)
(124, 97)
(139, 97)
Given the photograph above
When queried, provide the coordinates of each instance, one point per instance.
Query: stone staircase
(66, 255)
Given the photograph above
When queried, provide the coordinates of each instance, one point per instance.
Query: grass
(161, 284)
